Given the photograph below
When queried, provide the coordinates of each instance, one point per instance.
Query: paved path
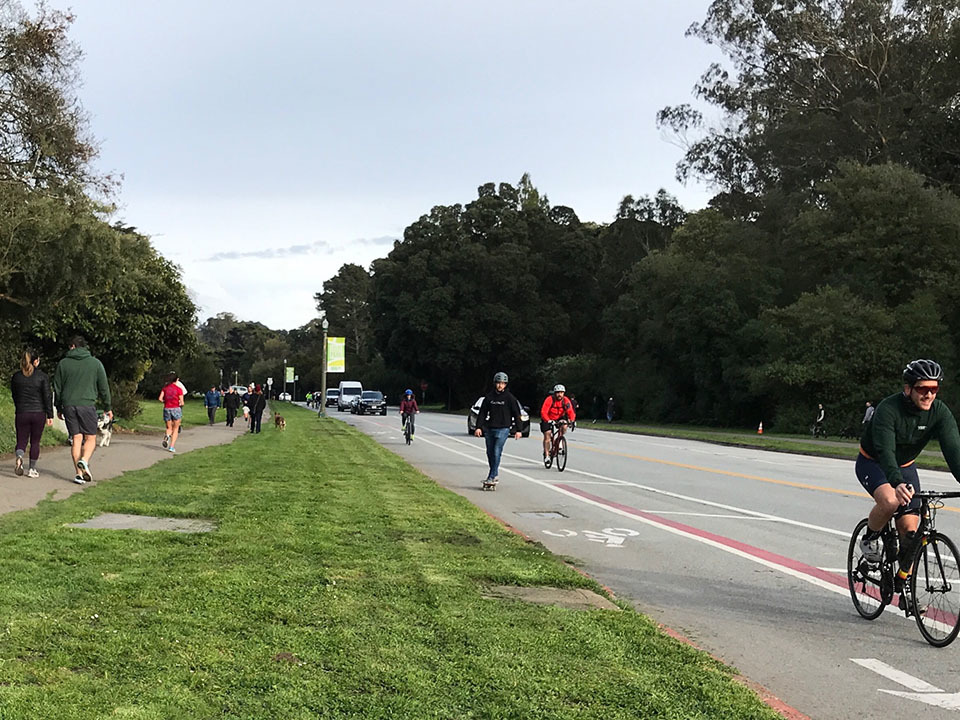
(127, 451)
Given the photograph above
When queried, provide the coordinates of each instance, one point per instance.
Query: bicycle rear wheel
(935, 589)
(561, 454)
(406, 431)
(863, 578)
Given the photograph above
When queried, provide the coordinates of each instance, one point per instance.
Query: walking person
(211, 401)
(818, 428)
(258, 404)
(33, 408)
(172, 398)
(231, 401)
(868, 413)
(499, 414)
(611, 409)
(78, 383)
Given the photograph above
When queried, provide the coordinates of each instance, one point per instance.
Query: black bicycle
(558, 446)
(408, 429)
(931, 593)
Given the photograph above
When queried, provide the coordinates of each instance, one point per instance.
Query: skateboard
(489, 485)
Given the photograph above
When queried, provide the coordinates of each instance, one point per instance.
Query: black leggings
(30, 427)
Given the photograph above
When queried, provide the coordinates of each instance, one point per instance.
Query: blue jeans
(496, 438)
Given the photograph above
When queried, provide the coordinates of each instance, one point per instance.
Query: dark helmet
(500, 377)
(408, 391)
(919, 370)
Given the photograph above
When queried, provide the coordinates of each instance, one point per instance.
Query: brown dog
(279, 422)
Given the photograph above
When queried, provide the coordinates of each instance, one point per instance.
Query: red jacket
(409, 406)
(554, 410)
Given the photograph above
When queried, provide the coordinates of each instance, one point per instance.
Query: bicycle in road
(558, 446)
(931, 593)
(408, 429)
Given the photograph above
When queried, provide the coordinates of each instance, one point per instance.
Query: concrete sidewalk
(127, 451)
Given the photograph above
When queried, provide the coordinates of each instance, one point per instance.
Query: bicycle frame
(558, 430)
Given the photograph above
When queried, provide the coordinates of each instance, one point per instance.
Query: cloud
(272, 253)
(314, 248)
(384, 240)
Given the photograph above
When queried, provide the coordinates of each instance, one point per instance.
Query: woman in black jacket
(30, 388)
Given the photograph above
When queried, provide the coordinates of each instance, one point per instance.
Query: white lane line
(667, 493)
(706, 515)
(589, 482)
(798, 574)
(898, 676)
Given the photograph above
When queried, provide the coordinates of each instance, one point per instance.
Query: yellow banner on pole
(290, 374)
(336, 355)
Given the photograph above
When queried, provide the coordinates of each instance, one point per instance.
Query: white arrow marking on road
(947, 701)
(923, 691)
(560, 533)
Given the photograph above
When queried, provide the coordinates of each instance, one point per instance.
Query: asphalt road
(741, 550)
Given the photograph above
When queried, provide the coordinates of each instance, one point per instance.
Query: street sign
(290, 374)
(269, 381)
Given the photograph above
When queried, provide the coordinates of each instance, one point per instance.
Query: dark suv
(371, 401)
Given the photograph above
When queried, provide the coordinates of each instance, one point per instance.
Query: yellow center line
(731, 473)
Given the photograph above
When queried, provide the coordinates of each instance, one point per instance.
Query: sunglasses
(926, 390)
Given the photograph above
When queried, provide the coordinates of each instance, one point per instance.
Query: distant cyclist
(408, 409)
(892, 439)
(555, 406)
(499, 414)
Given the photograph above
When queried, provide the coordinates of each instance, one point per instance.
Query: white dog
(105, 426)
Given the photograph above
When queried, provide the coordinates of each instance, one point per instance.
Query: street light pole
(323, 371)
(284, 375)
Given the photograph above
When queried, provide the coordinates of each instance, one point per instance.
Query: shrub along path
(339, 583)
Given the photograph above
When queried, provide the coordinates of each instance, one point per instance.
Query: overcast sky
(264, 145)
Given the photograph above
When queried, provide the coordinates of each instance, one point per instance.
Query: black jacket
(499, 410)
(232, 401)
(257, 403)
(32, 394)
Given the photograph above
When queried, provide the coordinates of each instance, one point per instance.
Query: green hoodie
(79, 380)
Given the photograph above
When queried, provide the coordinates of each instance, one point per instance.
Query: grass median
(340, 583)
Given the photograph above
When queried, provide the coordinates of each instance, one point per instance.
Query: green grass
(341, 583)
(150, 418)
(930, 458)
(8, 430)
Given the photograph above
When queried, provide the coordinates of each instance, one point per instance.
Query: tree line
(827, 259)
(65, 268)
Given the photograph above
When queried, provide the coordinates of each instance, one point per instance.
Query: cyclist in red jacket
(409, 408)
(554, 407)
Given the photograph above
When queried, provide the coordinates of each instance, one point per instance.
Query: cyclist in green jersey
(892, 439)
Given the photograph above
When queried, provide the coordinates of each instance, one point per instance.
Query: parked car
(284, 396)
(372, 402)
(475, 411)
(333, 395)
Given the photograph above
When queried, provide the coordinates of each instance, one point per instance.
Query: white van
(349, 389)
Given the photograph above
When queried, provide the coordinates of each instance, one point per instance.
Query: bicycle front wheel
(863, 578)
(935, 589)
(561, 454)
(406, 432)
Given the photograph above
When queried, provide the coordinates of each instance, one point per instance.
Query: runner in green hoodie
(78, 383)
